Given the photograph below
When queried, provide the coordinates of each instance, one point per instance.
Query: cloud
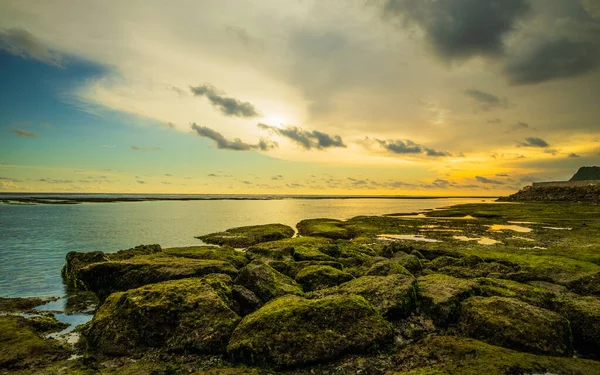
(136, 148)
(228, 106)
(553, 58)
(236, 144)
(8, 179)
(21, 43)
(55, 181)
(488, 181)
(574, 155)
(24, 133)
(459, 29)
(486, 100)
(534, 142)
(277, 178)
(494, 121)
(306, 139)
(141, 182)
(408, 147)
(502, 175)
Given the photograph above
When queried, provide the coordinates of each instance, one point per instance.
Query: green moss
(108, 277)
(135, 251)
(530, 294)
(411, 262)
(233, 371)
(181, 315)
(292, 331)
(225, 254)
(448, 355)
(21, 346)
(20, 304)
(387, 267)
(393, 296)
(439, 296)
(584, 315)
(328, 228)
(514, 324)
(586, 285)
(75, 261)
(248, 236)
(266, 282)
(319, 277)
(46, 323)
(309, 253)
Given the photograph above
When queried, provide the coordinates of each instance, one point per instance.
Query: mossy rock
(75, 261)
(387, 267)
(247, 236)
(450, 355)
(319, 277)
(303, 253)
(293, 331)
(411, 262)
(191, 315)
(21, 304)
(233, 371)
(22, 347)
(584, 316)
(285, 249)
(291, 269)
(530, 294)
(586, 286)
(135, 251)
(46, 323)
(266, 282)
(392, 296)
(243, 300)
(486, 269)
(224, 253)
(440, 296)
(113, 276)
(514, 324)
(327, 228)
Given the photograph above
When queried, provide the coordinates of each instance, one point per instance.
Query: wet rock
(248, 236)
(440, 296)
(530, 294)
(514, 324)
(411, 262)
(327, 228)
(22, 347)
(191, 315)
(308, 253)
(293, 331)
(387, 267)
(112, 276)
(586, 286)
(584, 315)
(319, 277)
(22, 304)
(392, 296)
(266, 282)
(46, 323)
(75, 261)
(225, 254)
(135, 251)
(243, 300)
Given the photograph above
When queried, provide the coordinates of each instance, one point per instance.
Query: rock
(291, 269)
(22, 347)
(112, 276)
(135, 251)
(567, 192)
(285, 249)
(514, 324)
(266, 282)
(584, 315)
(307, 253)
(248, 236)
(21, 304)
(327, 228)
(530, 294)
(439, 296)
(586, 286)
(387, 267)
(410, 262)
(191, 315)
(243, 300)
(319, 277)
(225, 254)
(392, 296)
(444, 261)
(46, 323)
(293, 331)
(75, 261)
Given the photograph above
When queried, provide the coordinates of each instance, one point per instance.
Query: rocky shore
(589, 193)
(472, 289)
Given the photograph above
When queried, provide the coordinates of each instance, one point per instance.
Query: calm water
(34, 239)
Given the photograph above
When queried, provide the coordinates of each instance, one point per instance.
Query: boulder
(293, 331)
(584, 315)
(586, 286)
(387, 267)
(392, 296)
(190, 315)
(75, 261)
(440, 296)
(135, 251)
(327, 228)
(514, 324)
(319, 277)
(112, 276)
(266, 282)
(531, 294)
(408, 261)
(247, 236)
(243, 300)
(224, 253)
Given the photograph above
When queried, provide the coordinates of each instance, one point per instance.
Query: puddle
(429, 226)
(440, 230)
(534, 248)
(516, 228)
(480, 240)
(410, 237)
(557, 228)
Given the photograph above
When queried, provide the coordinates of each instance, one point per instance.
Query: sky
(356, 97)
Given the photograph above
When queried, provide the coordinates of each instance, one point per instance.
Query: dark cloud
(21, 43)
(306, 139)
(486, 100)
(294, 185)
(534, 142)
(8, 179)
(236, 144)
(55, 181)
(408, 147)
(488, 181)
(24, 133)
(458, 29)
(574, 155)
(141, 182)
(277, 178)
(494, 121)
(502, 175)
(553, 58)
(168, 175)
(136, 148)
(228, 106)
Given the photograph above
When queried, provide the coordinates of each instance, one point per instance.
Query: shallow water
(515, 228)
(407, 237)
(34, 239)
(480, 240)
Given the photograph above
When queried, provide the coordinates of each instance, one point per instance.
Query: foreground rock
(266, 282)
(516, 325)
(293, 331)
(584, 315)
(319, 277)
(225, 254)
(248, 236)
(392, 296)
(440, 296)
(182, 315)
(113, 276)
(21, 304)
(328, 228)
